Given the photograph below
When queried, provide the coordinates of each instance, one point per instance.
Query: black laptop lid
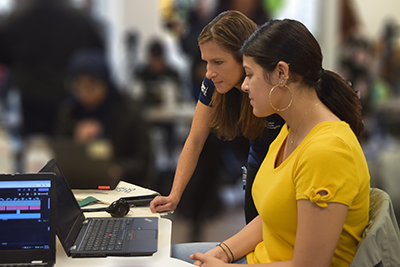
(69, 214)
(85, 166)
(27, 218)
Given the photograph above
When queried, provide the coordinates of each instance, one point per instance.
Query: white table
(160, 258)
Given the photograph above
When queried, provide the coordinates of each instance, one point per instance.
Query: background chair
(380, 243)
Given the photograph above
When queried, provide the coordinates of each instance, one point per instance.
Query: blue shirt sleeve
(206, 92)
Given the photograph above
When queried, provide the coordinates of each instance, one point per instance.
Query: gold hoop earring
(291, 98)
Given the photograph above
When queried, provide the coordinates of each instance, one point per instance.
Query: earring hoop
(291, 99)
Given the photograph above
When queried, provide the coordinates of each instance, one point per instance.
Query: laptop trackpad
(141, 234)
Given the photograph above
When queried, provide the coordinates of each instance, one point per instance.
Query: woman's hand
(163, 204)
(216, 253)
(206, 260)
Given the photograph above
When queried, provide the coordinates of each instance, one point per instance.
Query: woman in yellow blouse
(312, 189)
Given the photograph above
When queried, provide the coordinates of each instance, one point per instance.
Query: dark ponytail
(341, 99)
(291, 42)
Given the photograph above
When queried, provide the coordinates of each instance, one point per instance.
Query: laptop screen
(25, 214)
(69, 214)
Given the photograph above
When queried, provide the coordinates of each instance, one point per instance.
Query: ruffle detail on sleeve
(318, 199)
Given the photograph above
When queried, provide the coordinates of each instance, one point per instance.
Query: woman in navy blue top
(223, 109)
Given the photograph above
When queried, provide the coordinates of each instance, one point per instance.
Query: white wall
(372, 14)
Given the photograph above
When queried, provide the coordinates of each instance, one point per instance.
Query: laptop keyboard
(107, 235)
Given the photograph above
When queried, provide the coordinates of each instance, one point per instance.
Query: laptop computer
(28, 219)
(85, 166)
(139, 236)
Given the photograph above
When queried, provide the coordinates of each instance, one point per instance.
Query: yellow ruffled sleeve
(321, 200)
(333, 176)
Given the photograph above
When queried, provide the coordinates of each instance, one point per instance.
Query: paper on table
(123, 189)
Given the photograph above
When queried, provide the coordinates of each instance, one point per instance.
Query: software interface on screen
(25, 214)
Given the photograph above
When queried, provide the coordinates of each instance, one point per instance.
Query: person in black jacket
(97, 110)
(36, 41)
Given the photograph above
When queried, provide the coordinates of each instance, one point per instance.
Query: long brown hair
(290, 41)
(230, 29)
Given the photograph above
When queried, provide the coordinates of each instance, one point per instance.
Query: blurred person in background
(373, 67)
(98, 110)
(155, 73)
(356, 54)
(159, 91)
(385, 133)
(36, 40)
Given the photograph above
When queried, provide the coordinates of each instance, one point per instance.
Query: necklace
(294, 135)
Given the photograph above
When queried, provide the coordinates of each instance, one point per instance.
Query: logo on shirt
(271, 125)
(204, 89)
